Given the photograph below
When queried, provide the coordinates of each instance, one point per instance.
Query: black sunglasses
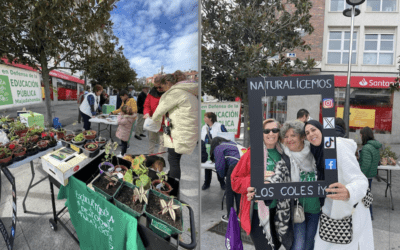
(274, 130)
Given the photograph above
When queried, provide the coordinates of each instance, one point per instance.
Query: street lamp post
(350, 12)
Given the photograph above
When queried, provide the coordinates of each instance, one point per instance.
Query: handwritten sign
(18, 87)
(359, 117)
(260, 87)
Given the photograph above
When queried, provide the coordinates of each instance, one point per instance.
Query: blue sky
(158, 32)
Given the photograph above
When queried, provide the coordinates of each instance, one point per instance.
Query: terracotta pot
(123, 168)
(166, 184)
(42, 144)
(20, 153)
(101, 142)
(89, 137)
(6, 160)
(91, 149)
(60, 135)
(34, 138)
(21, 133)
(69, 137)
(384, 161)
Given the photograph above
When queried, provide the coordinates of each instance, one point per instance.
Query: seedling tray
(125, 207)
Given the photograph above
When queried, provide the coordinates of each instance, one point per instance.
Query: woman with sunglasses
(347, 193)
(303, 169)
(179, 104)
(149, 107)
(266, 232)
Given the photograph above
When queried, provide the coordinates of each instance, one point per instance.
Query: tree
(113, 71)
(240, 37)
(43, 33)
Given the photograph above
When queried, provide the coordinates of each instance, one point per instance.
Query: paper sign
(113, 101)
(359, 117)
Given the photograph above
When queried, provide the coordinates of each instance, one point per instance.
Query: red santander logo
(76, 168)
(327, 103)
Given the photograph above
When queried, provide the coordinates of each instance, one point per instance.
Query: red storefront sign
(52, 73)
(370, 82)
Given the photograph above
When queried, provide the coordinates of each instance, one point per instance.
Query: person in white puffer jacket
(350, 189)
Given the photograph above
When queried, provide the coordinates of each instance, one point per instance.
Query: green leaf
(128, 177)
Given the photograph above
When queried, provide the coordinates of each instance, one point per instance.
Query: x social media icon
(330, 164)
(329, 122)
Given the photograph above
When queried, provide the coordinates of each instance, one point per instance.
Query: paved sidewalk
(386, 223)
(33, 232)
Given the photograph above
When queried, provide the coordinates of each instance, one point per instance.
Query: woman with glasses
(149, 107)
(179, 105)
(266, 230)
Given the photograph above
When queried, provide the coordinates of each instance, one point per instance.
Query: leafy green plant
(163, 177)
(79, 138)
(387, 153)
(139, 194)
(144, 180)
(92, 146)
(6, 151)
(168, 207)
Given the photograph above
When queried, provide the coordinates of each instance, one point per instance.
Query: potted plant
(42, 144)
(79, 139)
(161, 185)
(19, 151)
(60, 132)
(166, 211)
(89, 134)
(100, 141)
(52, 141)
(91, 146)
(19, 128)
(388, 157)
(106, 165)
(107, 184)
(6, 155)
(69, 137)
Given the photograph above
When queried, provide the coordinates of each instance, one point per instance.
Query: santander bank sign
(365, 81)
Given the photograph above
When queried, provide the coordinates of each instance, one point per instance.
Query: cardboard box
(62, 170)
(29, 120)
(107, 108)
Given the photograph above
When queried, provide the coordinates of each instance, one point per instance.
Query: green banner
(5, 91)
(228, 113)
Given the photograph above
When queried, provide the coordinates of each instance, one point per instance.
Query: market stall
(107, 120)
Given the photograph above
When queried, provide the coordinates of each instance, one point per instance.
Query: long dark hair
(366, 135)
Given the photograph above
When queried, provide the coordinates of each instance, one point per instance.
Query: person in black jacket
(340, 127)
(140, 102)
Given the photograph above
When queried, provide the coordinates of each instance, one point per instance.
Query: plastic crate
(123, 206)
(158, 226)
(100, 191)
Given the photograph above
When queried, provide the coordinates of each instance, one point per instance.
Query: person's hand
(341, 192)
(146, 116)
(250, 193)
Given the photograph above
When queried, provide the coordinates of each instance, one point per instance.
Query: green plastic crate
(107, 108)
(29, 120)
(158, 226)
(107, 196)
(124, 207)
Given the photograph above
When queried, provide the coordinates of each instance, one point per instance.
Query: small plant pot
(78, 142)
(52, 143)
(167, 187)
(69, 137)
(91, 149)
(34, 138)
(19, 154)
(384, 161)
(6, 160)
(60, 135)
(100, 184)
(21, 133)
(122, 167)
(89, 137)
(102, 142)
(42, 144)
(106, 166)
(161, 224)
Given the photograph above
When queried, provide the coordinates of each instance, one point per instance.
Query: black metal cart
(149, 238)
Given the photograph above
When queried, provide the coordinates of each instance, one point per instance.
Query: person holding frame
(344, 197)
(279, 230)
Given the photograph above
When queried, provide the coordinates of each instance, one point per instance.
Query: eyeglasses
(274, 130)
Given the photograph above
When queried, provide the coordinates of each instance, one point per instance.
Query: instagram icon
(327, 103)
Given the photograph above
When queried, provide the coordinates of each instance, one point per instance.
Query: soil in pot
(19, 152)
(91, 148)
(6, 159)
(42, 144)
(69, 137)
(60, 135)
(154, 207)
(89, 135)
(125, 196)
(34, 138)
(102, 184)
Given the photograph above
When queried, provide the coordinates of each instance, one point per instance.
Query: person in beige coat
(179, 105)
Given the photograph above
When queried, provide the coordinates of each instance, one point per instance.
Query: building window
(370, 107)
(379, 49)
(339, 5)
(339, 45)
(381, 5)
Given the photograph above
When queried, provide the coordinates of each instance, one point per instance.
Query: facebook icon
(330, 163)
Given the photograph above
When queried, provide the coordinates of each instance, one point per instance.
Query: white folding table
(388, 179)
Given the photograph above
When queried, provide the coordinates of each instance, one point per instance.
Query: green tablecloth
(98, 223)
